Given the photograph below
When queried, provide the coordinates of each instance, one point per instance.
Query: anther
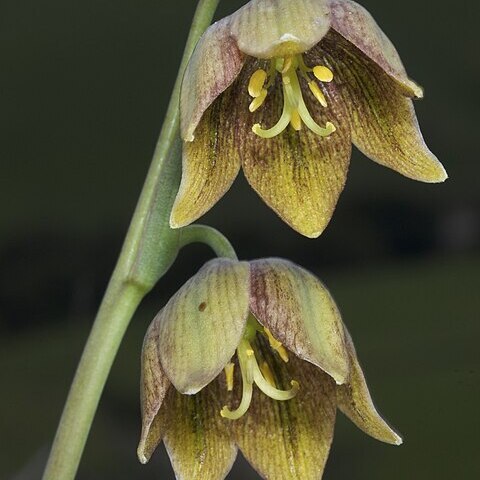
(296, 121)
(267, 373)
(257, 81)
(315, 89)
(322, 73)
(257, 102)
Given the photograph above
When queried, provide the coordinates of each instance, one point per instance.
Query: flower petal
(289, 440)
(198, 440)
(210, 163)
(154, 386)
(300, 312)
(202, 324)
(212, 68)
(356, 25)
(300, 175)
(383, 122)
(354, 400)
(267, 29)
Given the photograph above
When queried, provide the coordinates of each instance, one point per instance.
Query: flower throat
(295, 112)
(252, 373)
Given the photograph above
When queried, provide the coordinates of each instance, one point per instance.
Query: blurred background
(84, 86)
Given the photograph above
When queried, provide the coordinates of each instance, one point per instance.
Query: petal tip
(143, 458)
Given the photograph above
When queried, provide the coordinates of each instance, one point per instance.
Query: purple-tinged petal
(154, 386)
(354, 400)
(214, 65)
(198, 440)
(300, 313)
(210, 162)
(289, 440)
(300, 175)
(356, 25)
(383, 122)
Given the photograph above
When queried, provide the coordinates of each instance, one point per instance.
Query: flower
(282, 88)
(273, 329)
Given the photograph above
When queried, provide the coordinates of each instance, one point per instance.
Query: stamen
(315, 89)
(296, 121)
(257, 102)
(229, 369)
(323, 74)
(267, 373)
(282, 352)
(276, 345)
(257, 80)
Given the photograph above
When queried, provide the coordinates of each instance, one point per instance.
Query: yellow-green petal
(354, 400)
(213, 66)
(277, 28)
(198, 440)
(210, 162)
(154, 385)
(289, 440)
(300, 312)
(202, 324)
(356, 25)
(300, 175)
(382, 120)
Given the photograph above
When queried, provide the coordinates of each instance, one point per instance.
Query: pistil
(295, 112)
(252, 373)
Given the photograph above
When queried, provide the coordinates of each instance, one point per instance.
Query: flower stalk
(149, 249)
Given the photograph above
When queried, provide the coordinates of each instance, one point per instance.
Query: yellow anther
(274, 343)
(229, 369)
(250, 352)
(315, 89)
(257, 102)
(267, 373)
(282, 351)
(296, 121)
(257, 81)
(322, 73)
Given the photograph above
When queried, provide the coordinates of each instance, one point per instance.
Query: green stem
(149, 249)
(211, 237)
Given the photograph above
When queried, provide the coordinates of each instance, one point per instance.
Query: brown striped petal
(300, 312)
(202, 324)
(383, 122)
(289, 440)
(276, 28)
(198, 440)
(213, 66)
(210, 162)
(298, 174)
(154, 385)
(354, 400)
(356, 25)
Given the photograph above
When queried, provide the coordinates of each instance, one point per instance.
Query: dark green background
(83, 89)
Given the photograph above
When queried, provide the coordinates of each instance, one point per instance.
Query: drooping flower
(282, 88)
(251, 356)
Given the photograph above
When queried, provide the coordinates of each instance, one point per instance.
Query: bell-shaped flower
(251, 356)
(282, 88)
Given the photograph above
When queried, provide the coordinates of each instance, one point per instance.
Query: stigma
(295, 112)
(253, 373)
